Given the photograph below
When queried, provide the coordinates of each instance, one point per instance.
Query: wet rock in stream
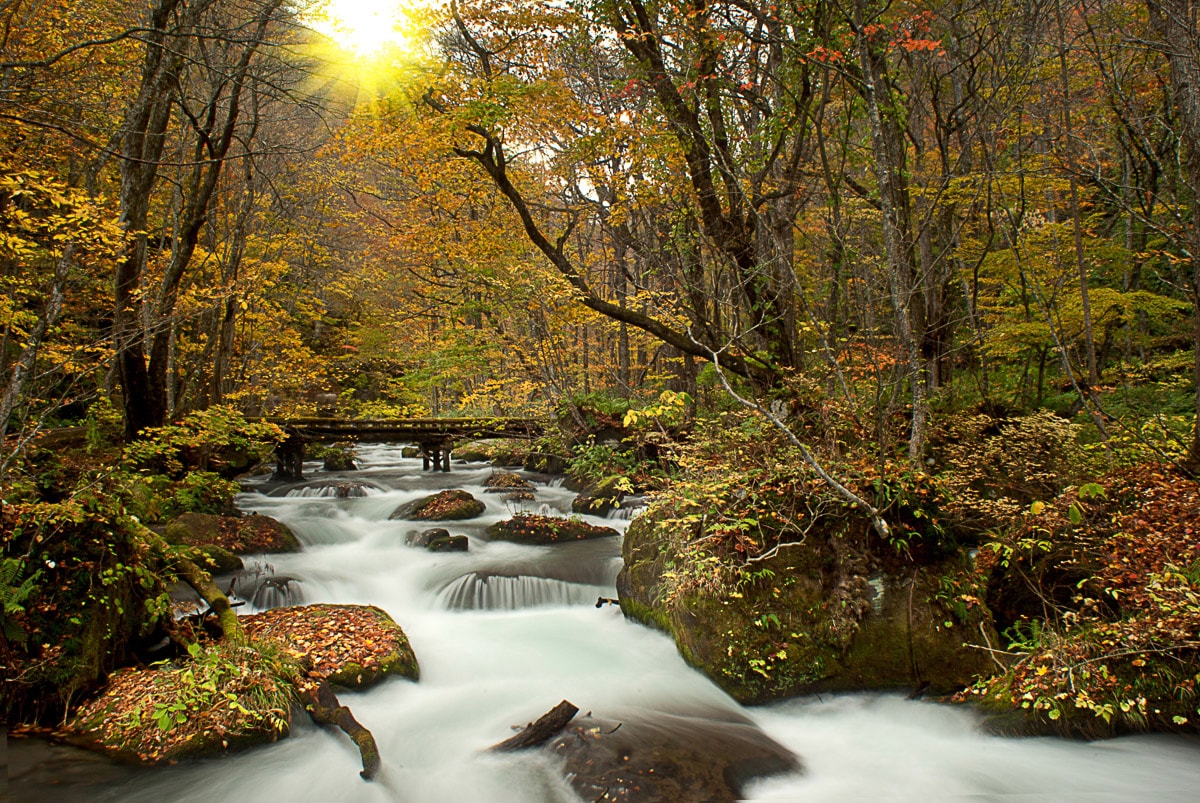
(453, 505)
(527, 528)
(656, 756)
(438, 539)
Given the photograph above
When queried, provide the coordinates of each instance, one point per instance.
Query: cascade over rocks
(454, 505)
(839, 611)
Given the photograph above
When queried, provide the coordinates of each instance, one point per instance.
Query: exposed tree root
(323, 706)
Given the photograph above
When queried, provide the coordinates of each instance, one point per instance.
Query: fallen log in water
(325, 709)
(546, 727)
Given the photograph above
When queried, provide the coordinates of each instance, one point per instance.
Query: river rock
(600, 497)
(646, 757)
(339, 457)
(841, 612)
(349, 645)
(438, 539)
(245, 535)
(422, 538)
(450, 543)
(499, 482)
(527, 528)
(166, 713)
(453, 505)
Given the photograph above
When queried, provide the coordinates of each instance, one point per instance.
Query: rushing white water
(503, 632)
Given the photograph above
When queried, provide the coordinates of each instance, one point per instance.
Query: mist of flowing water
(503, 632)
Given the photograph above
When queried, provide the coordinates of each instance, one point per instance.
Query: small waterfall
(277, 592)
(263, 589)
(490, 592)
(340, 490)
(624, 513)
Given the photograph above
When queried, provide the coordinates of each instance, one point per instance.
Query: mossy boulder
(643, 756)
(349, 645)
(532, 529)
(241, 535)
(454, 505)
(601, 496)
(409, 452)
(221, 699)
(339, 457)
(828, 614)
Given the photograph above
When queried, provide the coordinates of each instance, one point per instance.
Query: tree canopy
(902, 206)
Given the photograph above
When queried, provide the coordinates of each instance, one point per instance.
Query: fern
(12, 596)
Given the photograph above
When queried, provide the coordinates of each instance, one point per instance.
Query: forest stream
(504, 632)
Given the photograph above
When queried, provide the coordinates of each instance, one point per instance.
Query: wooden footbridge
(434, 436)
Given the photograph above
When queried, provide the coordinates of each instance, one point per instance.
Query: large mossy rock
(348, 645)
(836, 613)
(653, 756)
(527, 528)
(452, 505)
(242, 535)
(600, 497)
(228, 698)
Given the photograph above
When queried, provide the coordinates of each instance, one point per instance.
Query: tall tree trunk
(143, 138)
(887, 146)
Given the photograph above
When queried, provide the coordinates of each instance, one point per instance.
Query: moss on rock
(527, 528)
(348, 645)
(241, 535)
(454, 505)
(339, 457)
(223, 699)
(803, 620)
(499, 482)
(600, 497)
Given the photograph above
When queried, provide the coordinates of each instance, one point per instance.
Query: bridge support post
(289, 460)
(435, 456)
